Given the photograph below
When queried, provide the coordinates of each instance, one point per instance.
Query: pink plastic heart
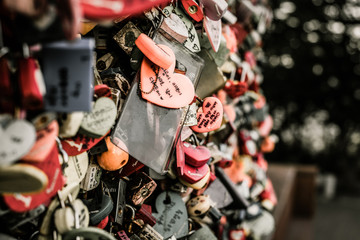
(51, 167)
(45, 141)
(196, 156)
(194, 174)
(211, 117)
(166, 89)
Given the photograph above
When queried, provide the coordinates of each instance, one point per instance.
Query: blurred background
(312, 84)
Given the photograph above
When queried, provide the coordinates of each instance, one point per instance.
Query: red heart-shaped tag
(196, 156)
(211, 117)
(163, 87)
(235, 89)
(194, 174)
(45, 141)
(51, 167)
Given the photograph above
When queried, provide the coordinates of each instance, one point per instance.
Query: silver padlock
(72, 214)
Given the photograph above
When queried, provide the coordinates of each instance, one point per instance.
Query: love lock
(73, 214)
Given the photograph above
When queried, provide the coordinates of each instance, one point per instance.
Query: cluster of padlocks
(134, 119)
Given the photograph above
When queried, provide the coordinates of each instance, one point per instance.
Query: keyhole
(193, 9)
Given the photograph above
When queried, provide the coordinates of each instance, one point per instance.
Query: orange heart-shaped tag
(163, 87)
(211, 117)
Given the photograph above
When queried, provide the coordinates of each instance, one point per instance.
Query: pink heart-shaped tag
(163, 87)
(211, 117)
(45, 141)
(51, 167)
(196, 155)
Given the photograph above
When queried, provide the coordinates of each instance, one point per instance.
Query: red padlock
(196, 156)
(31, 97)
(235, 88)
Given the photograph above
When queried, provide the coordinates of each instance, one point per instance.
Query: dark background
(312, 85)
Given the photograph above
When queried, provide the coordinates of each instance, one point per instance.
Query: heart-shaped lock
(213, 31)
(196, 156)
(193, 9)
(202, 183)
(192, 42)
(45, 141)
(79, 144)
(174, 26)
(99, 121)
(194, 174)
(211, 117)
(51, 167)
(17, 138)
(163, 87)
(114, 158)
(171, 216)
(154, 52)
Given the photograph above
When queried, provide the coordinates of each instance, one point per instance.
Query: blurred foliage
(312, 84)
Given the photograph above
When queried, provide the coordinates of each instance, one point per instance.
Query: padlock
(114, 158)
(99, 209)
(198, 206)
(196, 156)
(214, 9)
(92, 176)
(75, 215)
(194, 174)
(126, 37)
(253, 211)
(268, 196)
(144, 213)
(77, 167)
(120, 202)
(202, 183)
(260, 227)
(70, 123)
(140, 188)
(121, 235)
(132, 225)
(148, 232)
(132, 166)
(30, 84)
(175, 27)
(237, 234)
(101, 36)
(105, 62)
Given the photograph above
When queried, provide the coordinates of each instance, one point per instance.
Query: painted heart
(101, 118)
(171, 216)
(163, 87)
(79, 144)
(211, 117)
(213, 31)
(196, 156)
(174, 26)
(51, 167)
(194, 174)
(45, 141)
(17, 138)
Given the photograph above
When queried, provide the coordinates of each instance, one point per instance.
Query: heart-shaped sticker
(213, 31)
(51, 167)
(79, 144)
(196, 156)
(174, 26)
(194, 174)
(101, 118)
(45, 141)
(163, 87)
(171, 216)
(17, 138)
(211, 117)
